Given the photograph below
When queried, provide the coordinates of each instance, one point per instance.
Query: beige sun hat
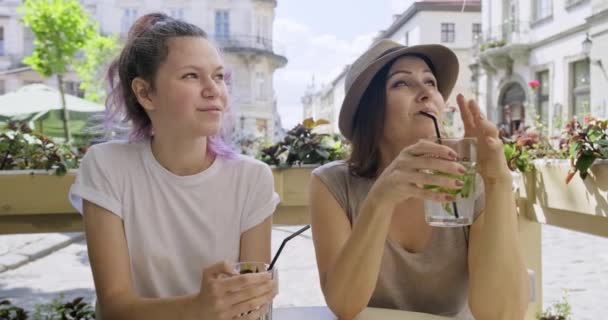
(444, 65)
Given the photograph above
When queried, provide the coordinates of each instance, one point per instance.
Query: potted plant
(10, 312)
(586, 146)
(521, 151)
(293, 160)
(35, 174)
(558, 311)
(58, 309)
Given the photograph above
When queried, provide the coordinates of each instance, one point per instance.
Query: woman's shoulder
(116, 149)
(242, 161)
(334, 168)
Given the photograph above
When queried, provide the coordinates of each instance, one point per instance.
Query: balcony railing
(508, 33)
(249, 42)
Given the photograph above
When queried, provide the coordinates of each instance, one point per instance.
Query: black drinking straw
(295, 234)
(439, 140)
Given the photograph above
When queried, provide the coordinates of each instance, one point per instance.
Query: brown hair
(368, 127)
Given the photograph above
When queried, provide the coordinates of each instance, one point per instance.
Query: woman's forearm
(351, 279)
(498, 276)
(123, 308)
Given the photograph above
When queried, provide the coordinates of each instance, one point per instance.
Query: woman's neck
(182, 157)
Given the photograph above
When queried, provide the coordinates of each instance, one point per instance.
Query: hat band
(414, 54)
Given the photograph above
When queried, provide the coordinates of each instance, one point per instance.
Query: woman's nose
(423, 93)
(210, 89)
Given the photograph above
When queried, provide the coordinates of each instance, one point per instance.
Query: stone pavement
(17, 250)
(571, 261)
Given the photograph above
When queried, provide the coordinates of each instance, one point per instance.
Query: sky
(320, 37)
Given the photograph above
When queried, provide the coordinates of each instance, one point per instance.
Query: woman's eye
(220, 76)
(399, 83)
(190, 76)
(432, 83)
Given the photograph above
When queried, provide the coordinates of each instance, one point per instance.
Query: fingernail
(462, 170)
(453, 155)
(459, 183)
(448, 197)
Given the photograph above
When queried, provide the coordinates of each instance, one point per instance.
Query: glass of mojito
(255, 267)
(460, 212)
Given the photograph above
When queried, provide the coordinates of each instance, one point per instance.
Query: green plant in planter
(10, 312)
(302, 146)
(22, 149)
(585, 144)
(527, 146)
(559, 311)
(59, 309)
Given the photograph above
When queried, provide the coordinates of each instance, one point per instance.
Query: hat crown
(377, 50)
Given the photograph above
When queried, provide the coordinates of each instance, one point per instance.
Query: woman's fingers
(240, 282)
(430, 148)
(465, 113)
(252, 305)
(245, 294)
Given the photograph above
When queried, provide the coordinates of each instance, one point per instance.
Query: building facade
(455, 24)
(543, 60)
(242, 29)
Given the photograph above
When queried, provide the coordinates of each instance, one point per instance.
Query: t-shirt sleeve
(96, 183)
(262, 200)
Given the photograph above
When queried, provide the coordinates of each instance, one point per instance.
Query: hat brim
(445, 64)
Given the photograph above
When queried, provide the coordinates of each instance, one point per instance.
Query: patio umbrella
(39, 98)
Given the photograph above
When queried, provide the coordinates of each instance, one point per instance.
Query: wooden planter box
(292, 186)
(36, 201)
(580, 205)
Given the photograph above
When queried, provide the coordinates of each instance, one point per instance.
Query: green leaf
(509, 151)
(583, 163)
(574, 147)
(323, 153)
(594, 134)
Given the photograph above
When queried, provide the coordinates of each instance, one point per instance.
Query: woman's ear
(142, 90)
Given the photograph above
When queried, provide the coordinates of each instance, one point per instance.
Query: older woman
(373, 245)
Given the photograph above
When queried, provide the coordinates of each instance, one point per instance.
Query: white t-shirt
(175, 226)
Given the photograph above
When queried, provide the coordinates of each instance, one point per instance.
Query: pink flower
(534, 84)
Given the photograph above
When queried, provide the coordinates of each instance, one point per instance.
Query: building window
(260, 82)
(476, 32)
(542, 9)
(447, 32)
(580, 84)
(177, 13)
(222, 24)
(128, 18)
(261, 125)
(406, 41)
(2, 52)
(542, 96)
(262, 34)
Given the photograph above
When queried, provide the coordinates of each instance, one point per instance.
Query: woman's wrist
(504, 179)
(378, 201)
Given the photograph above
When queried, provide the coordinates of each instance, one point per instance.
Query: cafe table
(323, 313)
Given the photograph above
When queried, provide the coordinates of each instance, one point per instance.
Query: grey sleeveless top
(433, 281)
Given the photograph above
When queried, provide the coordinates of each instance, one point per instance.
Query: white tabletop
(323, 313)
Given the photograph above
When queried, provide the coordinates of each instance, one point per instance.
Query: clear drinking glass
(461, 211)
(255, 267)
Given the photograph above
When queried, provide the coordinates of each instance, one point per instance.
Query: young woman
(167, 212)
(373, 245)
